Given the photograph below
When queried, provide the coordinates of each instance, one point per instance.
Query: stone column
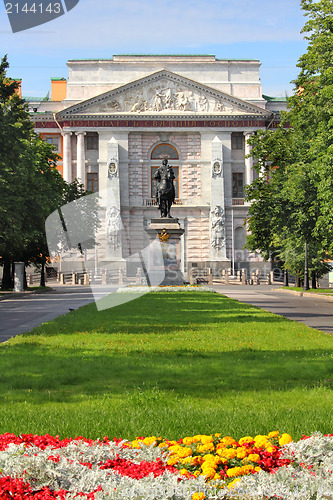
(19, 277)
(67, 156)
(248, 161)
(81, 167)
(217, 211)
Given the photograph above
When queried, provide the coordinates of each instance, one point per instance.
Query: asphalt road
(25, 312)
(21, 314)
(316, 312)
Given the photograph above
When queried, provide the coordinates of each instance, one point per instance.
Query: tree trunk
(25, 284)
(7, 279)
(298, 280)
(42, 275)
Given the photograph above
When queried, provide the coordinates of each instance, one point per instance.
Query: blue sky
(268, 30)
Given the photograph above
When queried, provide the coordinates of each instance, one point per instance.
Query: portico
(117, 131)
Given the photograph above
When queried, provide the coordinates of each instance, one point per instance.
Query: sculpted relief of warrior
(168, 96)
(217, 235)
(113, 228)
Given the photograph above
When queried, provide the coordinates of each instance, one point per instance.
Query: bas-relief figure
(217, 228)
(165, 95)
(113, 228)
(165, 190)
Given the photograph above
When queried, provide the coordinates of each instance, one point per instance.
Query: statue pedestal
(168, 232)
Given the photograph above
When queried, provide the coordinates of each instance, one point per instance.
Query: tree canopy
(292, 196)
(31, 186)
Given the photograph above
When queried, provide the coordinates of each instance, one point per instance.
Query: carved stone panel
(164, 96)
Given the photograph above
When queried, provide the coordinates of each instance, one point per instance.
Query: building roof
(274, 99)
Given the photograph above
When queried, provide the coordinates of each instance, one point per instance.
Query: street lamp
(306, 272)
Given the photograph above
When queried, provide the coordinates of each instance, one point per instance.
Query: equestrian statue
(165, 190)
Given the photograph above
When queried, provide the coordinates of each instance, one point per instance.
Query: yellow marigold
(228, 441)
(285, 439)
(196, 473)
(203, 448)
(209, 473)
(188, 460)
(135, 444)
(163, 445)
(188, 440)
(197, 438)
(175, 449)
(253, 457)
(270, 448)
(207, 439)
(217, 435)
(217, 476)
(257, 469)
(229, 453)
(198, 496)
(234, 472)
(233, 483)
(150, 440)
(173, 461)
(197, 460)
(246, 439)
(208, 465)
(184, 472)
(247, 469)
(184, 452)
(241, 452)
(261, 441)
(273, 434)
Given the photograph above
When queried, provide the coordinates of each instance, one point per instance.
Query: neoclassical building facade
(113, 121)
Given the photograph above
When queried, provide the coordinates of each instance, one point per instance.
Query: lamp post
(306, 272)
(285, 278)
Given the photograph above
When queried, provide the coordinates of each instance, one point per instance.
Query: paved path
(313, 311)
(21, 314)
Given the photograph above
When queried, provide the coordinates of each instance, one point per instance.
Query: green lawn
(170, 364)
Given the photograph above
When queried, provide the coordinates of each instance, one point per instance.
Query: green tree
(31, 187)
(291, 202)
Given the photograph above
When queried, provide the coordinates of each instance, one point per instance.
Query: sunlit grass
(171, 364)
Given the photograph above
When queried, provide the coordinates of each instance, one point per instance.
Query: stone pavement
(314, 311)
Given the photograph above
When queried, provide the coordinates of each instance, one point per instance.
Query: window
(92, 182)
(175, 181)
(237, 140)
(92, 141)
(237, 185)
(54, 140)
(164, 151)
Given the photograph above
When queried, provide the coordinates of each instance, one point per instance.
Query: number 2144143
(35, 8)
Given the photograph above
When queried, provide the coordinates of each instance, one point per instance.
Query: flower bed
(195, 468)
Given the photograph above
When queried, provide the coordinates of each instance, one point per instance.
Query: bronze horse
(165, 190)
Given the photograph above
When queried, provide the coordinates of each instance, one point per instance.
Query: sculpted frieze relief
(165, 96)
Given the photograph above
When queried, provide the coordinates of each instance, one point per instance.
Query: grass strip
(170, 364)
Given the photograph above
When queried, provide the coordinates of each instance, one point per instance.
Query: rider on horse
(165, 190)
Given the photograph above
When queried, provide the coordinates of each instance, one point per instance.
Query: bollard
(86, 279)
(120, 277)
(243, 276)
(138, 276)
(104, 277)
(73, 278)
(62, 278)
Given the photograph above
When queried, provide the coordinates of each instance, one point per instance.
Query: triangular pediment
(163, 93)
